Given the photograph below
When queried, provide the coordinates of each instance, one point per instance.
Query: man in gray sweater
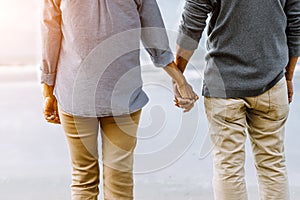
(253, 47)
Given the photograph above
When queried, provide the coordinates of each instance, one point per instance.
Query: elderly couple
(253, 47)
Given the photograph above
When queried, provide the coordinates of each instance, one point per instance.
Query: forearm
(182, 57)
(290, 68)
(47, 90)
(175, 73)
(193, 23)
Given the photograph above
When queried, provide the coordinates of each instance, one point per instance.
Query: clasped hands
(184, 96)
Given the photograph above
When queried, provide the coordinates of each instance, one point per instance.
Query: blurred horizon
(20, 37)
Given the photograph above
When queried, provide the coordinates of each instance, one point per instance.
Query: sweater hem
(227, 93)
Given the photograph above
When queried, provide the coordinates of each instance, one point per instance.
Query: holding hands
(185, 97)
(182, 99)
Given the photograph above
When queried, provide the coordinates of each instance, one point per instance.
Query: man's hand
(50, 105)
(290, 90)
(290, 68)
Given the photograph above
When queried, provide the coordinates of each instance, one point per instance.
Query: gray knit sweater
(249, 42)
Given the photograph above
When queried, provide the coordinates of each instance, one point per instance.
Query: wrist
(48, 91)
(288, 78)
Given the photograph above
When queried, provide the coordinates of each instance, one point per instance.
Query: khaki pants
(118, 143)
(264, 117)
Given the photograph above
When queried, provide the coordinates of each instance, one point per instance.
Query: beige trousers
(118, 143)
(264, 118)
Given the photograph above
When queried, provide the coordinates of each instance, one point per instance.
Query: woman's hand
(50, 105)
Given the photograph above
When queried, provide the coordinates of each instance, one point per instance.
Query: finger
(188, 109)
(52, 117)
(54, 120)
(50, 120)
(187, 106)
(47, 116)
(185, 101)
(55, 107)
(176, 97)
(47, 113)
(176, 91)
(57, 119)
(176, 102)
(290, 99)
(290, 96)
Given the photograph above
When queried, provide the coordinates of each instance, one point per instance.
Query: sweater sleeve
(193, 23)
(292, 9)
(153, 34)
(51, 40)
